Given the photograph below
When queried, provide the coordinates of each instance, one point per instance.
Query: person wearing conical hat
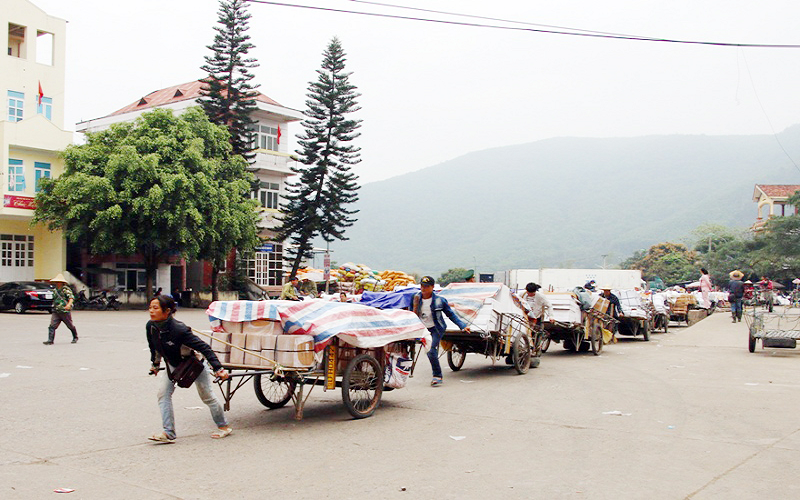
(736, 294)
(63, 299)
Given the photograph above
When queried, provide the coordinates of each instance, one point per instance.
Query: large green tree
(161, 186)
(229, 97)
(317, 204)
(672, 262)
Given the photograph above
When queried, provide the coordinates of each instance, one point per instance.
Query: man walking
(736, 294)
(63, 299)
(429, 307)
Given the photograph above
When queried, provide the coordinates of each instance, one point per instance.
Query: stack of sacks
(317, 275)
(396, 278)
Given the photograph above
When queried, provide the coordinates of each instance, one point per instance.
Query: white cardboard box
(263, 327)
(218, 346)
(237, 356)
(295, 351)
(232, 326)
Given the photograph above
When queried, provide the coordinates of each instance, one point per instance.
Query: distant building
(271, 165)
(31, 135)
(769, 198)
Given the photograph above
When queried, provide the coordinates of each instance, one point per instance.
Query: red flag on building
(279, 134)
(41, 94)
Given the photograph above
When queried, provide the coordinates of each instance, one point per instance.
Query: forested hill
(563, 202)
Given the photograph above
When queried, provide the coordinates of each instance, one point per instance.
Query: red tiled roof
(177, 93)
(778, 190)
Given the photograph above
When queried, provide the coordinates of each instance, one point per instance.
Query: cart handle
(277, 368)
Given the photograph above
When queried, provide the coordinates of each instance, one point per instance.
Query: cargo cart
(774, 329)
(362, 361)
(499, 327)
(577, 328)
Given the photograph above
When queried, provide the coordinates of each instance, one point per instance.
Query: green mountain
(563, 202)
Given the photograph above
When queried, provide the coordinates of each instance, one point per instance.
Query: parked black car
(23, 295)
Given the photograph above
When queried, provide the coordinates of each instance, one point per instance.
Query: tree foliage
(229, 98)
(451, 276)
(159, 187)
(672, 262)
(317, 204)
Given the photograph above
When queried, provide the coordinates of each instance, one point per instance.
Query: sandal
(436, 382)
(161, 437)
(221, 433)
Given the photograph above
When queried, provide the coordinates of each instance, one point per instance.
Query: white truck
(562, 280)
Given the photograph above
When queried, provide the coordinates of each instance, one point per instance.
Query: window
(265, 137)
(265, 267)
(16, 250)
(46, 107)
(267, 195)
(44, 48)
(15, 105)
(16, 40)
(16, 175)
(41, 171)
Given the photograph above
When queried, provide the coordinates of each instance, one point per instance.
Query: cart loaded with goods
(499, 327)
(286, 346)
(774, 329)
(580, 321)
(635, 318)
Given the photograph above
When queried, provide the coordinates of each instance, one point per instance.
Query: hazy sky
(433, 92)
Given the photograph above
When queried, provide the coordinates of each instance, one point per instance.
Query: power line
(583, 33)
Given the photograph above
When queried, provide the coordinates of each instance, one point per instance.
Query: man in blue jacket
(429, 307)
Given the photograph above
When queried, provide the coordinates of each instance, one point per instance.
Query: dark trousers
(55, 320)
(433, 354)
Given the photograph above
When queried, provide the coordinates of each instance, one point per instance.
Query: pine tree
(317, 203)
(229, 97)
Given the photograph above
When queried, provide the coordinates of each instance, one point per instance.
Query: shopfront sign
(23, 202)
(265, 247)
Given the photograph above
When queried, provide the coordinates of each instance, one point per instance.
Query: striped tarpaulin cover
(358, 325)
(467, 299)
(244, 310)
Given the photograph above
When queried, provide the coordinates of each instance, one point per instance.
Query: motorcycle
(97, 302)
(111, 301)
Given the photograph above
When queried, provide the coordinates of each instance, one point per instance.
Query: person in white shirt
(538, 305)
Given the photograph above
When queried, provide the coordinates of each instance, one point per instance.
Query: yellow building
(31, 134)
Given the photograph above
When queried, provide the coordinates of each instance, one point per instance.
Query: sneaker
(75, 340)
(47, 342)
(161, 437)
(436, 382)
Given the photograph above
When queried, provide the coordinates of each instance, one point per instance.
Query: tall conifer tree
(229, 97)
(317, 204)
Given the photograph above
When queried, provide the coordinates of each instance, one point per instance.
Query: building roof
(176, 93)
(775, 191)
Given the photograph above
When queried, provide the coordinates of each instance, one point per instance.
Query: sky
(433, 92)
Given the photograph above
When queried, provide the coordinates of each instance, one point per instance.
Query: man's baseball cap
(427, 281)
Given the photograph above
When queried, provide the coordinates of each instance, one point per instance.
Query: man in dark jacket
(173, 341)
(736, 294)
(429, 307)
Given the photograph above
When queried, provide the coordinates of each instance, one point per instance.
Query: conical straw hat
(59, 279)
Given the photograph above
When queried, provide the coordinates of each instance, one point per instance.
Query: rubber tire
(521, 354)
(546, 344)
(348, 381)
(751, 343)
(265, 400)
(457, 361)
(596, 340)
(569, 345)
(19, 307)
(115, 306)
(584, 346)
(646, 331)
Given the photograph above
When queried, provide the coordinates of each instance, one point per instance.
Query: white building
(272, 167)
(31, 135)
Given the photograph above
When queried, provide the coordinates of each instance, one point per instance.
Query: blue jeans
(736, 308)
(205, 388)
(433, 354)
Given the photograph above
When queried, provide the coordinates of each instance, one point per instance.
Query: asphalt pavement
(689, 414)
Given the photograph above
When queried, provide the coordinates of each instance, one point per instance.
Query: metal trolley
(512, 336)
(358, 372)
(773, 329)
(579, 336)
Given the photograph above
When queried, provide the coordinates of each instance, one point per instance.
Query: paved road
(702, 418)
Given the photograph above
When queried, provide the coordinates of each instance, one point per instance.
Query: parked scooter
(97, 302)
(111, 301)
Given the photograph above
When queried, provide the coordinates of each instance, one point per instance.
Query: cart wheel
(646, 331)
(546, 344)
(597, 340)
(521, 354)
(751, 342)
(362, 386)
(273, 394)
(584, 346)
(569, 345)
(456, 357)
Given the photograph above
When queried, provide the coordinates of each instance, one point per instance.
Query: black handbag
(186, 372)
